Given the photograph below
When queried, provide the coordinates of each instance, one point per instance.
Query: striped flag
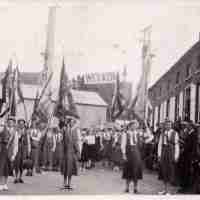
(6, 84)
(117, 106)
(65, 103)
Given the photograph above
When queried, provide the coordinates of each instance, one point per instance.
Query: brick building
(177, 93)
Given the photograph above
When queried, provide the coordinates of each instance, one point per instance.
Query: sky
(88, 33)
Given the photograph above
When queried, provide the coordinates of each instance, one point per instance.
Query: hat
(21, 120)
(134, 121)
(11, 118)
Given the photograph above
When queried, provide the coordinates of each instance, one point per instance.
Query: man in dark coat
(185, 161)
(24, 148)
(71, 153)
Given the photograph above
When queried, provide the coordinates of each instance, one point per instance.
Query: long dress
(8, 149)
(132, 169)
(71, 152)
(168, 151)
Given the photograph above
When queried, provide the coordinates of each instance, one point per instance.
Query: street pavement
(97, 181)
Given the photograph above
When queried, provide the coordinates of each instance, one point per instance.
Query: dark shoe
(135, 191)
(16, 181)
(21, 181)
(126, 190)
(69, 187)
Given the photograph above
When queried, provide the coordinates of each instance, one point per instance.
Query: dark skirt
(117, 158)
(84, 153)
(167, 164)
(132, 169)
(107, 148)
(69, 166)
(92, 152)
(5, 164)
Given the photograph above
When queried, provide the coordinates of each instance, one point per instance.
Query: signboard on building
(93, 78)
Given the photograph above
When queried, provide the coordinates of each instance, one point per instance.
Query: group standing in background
(173, 150)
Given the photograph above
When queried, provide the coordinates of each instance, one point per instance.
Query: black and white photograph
(100, 97)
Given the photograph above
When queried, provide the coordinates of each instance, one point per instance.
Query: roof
(80, 97)
(180, 60)
(29, 78)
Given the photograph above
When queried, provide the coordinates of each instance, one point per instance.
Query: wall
(91, 115)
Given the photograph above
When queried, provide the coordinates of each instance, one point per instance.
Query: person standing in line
(35, 135)
(8, 151)
(71, 152)
(24, 149)
(84, 151)
(49, 149)
(188, 144)
(130, 146)
(168, 153)
(58, 150)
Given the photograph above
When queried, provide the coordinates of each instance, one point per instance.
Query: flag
(65, 103)
(43, 102)
(139, 102)
(19, 89)
(12, 101)
(117, 106)
(5, 85)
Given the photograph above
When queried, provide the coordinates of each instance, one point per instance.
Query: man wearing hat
(8, 151)
(24, 149)
(186, 156)
(71, 152)
(168, 153)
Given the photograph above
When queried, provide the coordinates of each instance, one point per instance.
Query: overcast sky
(90, 31)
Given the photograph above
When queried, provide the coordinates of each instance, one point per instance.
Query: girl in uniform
(131, 142)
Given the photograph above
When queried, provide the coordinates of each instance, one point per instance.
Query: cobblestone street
(97, 181)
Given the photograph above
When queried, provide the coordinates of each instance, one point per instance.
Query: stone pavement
(97, 181)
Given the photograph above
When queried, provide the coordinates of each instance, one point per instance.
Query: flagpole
(13, 93)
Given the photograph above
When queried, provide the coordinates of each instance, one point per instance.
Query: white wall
(192, 102)
(91, 115)
(181, 104)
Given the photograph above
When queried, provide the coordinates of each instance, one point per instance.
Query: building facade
(177, 93)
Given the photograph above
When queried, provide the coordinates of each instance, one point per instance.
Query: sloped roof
(29, 78)
(80, 97)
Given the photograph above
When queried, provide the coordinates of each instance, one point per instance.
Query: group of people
(175, 150)
(178, 155)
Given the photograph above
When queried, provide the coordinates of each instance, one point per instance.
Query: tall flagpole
(146, 64)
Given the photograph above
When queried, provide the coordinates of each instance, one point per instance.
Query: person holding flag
(66, 112)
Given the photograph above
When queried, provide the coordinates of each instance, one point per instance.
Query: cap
(11, 118)
(21, 120)
(134, 121)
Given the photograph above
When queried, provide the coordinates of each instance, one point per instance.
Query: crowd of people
(173, 151)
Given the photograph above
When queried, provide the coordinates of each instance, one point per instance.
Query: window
(176, 107)
(198, 61)
(188, 71)
(159, 113)
(168, 85)
(160, 91)
(167, 108)
(187, 104)
(177, 77)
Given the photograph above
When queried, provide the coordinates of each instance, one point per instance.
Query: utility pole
(48, 54)
(146, 65)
